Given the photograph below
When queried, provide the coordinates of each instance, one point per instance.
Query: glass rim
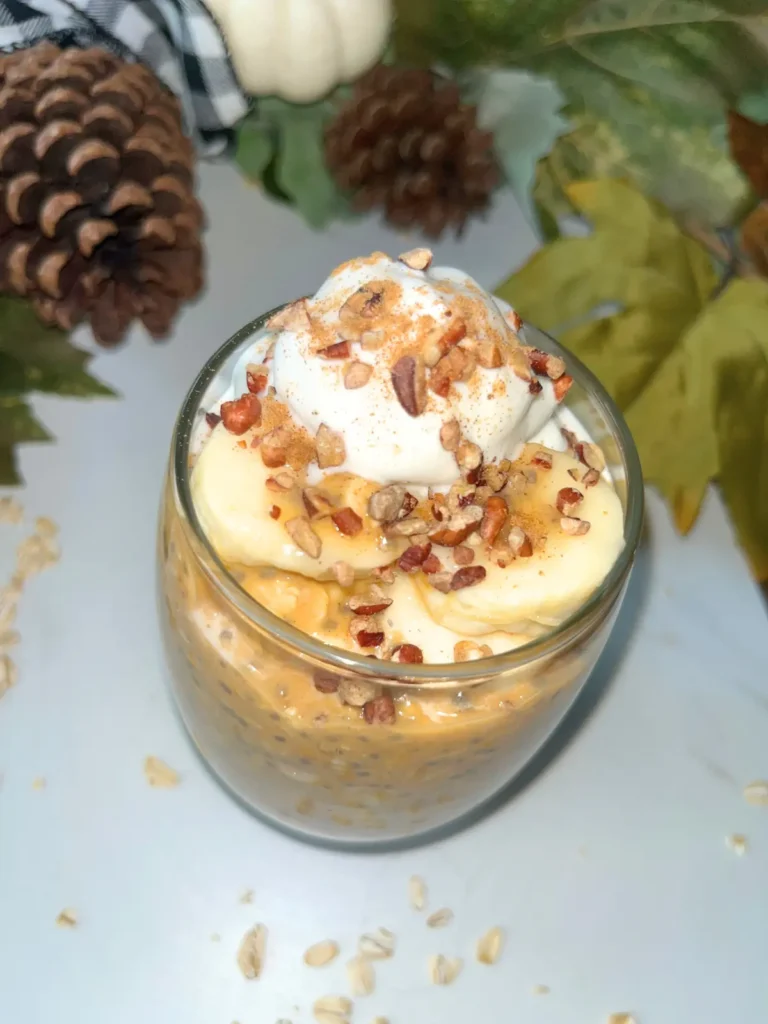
(455, 673)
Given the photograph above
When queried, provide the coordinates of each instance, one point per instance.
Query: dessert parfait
(390, 550)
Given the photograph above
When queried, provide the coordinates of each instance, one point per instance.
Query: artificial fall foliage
(685, 354)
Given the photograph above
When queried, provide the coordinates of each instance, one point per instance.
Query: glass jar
(246, 682)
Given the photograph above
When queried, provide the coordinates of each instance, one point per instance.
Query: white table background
(608, 870)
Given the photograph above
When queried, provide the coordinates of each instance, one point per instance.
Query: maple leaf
(688, 369)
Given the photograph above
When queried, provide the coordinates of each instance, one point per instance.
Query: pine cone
(98, 218)
(406, 142)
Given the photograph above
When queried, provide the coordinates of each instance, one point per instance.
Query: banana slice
(529, 594)
(235, 506)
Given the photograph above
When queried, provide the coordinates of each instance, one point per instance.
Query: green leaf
(9, 473)
(255, 146)
(18, 424)
(522, 111)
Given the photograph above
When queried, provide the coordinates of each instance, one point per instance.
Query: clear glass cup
(244, 679)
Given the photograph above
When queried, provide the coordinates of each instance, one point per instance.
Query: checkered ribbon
(178, 39)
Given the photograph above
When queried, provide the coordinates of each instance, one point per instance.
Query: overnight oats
(396, 530)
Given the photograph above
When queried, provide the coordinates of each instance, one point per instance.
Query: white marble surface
(609, 869)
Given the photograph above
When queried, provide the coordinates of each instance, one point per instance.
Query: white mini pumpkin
(300, 49)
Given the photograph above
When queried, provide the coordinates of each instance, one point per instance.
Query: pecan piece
(325, 682)
(407, 527)
(469, 576)
(441, 581)
(456, 529)
(562, 386)
(431, 564)
(590, 478)
(468, 456)
(455, 365)
(416, 259)
(494, 477)
(293, 317)
(468, 650)
(369, 638)
(514, 320)
(413, 557)
(409, 383)
(450, 435)
(256, 377)
(380, 711)
(331, 450)
(535, 387)
(242, 414)
(408, 654)
(520, 543)
(303, 536)
(385, 504)
(347, 521)
(316, 502)
(542, 459)
(343, 573)
(367, 302)
(384, 573)
(573, 526)
(410, 502)
(545, 363)
(357, 375)
(489, 355)
(463, 555)
(374, 601)
(212, 419)
(280, 482)
(339, 350)
(494, 518)
(357, 692)
(275, 512)
(591, 456)
(442, 339)
(568, 500)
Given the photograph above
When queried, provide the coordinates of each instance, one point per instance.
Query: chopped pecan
(366, 631)
(407, 527)
(489, 355)
(568, 500)
(416, 259)
(384, 573)
(410, 501)
(431, 564)
(591, 478)
(413, 557)
(450, 435)
(542, 459)
(519, 363)
(441, 581)
(562, 386)
(520, 543)
(375, 600)
(357, 375)
(574, 473)
(469, 576)
(468, 650)
(357, 692)
(347, 521)
(456, 529)
(242, 414)
(463, 555)
(494, 477)
(535, 387)
(372, 339)
(325, 682)
(275, 512)
(274, 447)
(303, 536)
(514, 320)
(380, 711)
(212, 419)
(256, 377)
(409, 383)
(468, 455)
(573, 526)
(455, 365)
(494, 518)
(545, 363)
(408, 654)
(293, 317)
(367, 302)
(482, 494)
(280, 482)
(385, 504)
(331, 450)
(591, 456)
(442, 339)
(343, 573)
(459, 496)
(339, 350)
(316, 502)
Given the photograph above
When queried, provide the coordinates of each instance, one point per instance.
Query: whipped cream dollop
(494, 409)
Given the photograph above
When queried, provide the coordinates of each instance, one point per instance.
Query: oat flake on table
(756, 793)
(159, 774)
(67, 918)
(250, 955)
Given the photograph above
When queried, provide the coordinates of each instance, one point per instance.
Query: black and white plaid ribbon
(178, 39)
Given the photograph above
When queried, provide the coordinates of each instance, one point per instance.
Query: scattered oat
(159, 774)
(378, 945)
(67, 918)
(247, 896)
(440, 919)
(622, 1018)
(8, 674)
(250, 955)
(737, 843)
(321, 953)
(332, 1010)
(541, 990)
(10, 511)
(38, 783)
(443, 970)
(380, 1020)
(361, 976)
(489, 946)
(756, 793)
(417, 893)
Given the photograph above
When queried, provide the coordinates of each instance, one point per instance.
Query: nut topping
(494, 518)
(542, 459)
(366, 632)
(280, 482)
(469, 576)
(468, 455)
(413, 557)
(463, 555)
(410, 502)
(343, 573)
(242, 414)
(331, 450)
(357, 692)
(408, 654)
(457, 364)
(340, 350)
(544, 363)
(591, 456)
(416, 259)
(374, 601)
(212, 419)
(562, 386)
(442, 339)
(574, 527)
(357, 375)
(494, 477)
(380, 711)
(316, 502)
(456, 529)
(367, 302)
(303, 536)
(256, 376)
(468, 650)
(568, 500)
(431, 564)
(293, 317)
(591, 478)
(441, 581)
(408, 527)
(409, 383)
(274, 447)
(519, 543)
(450, 435)
(488, 355)
(325, 682)
(385, 504)
(275, 512)
(535, 387)
(347, 521)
